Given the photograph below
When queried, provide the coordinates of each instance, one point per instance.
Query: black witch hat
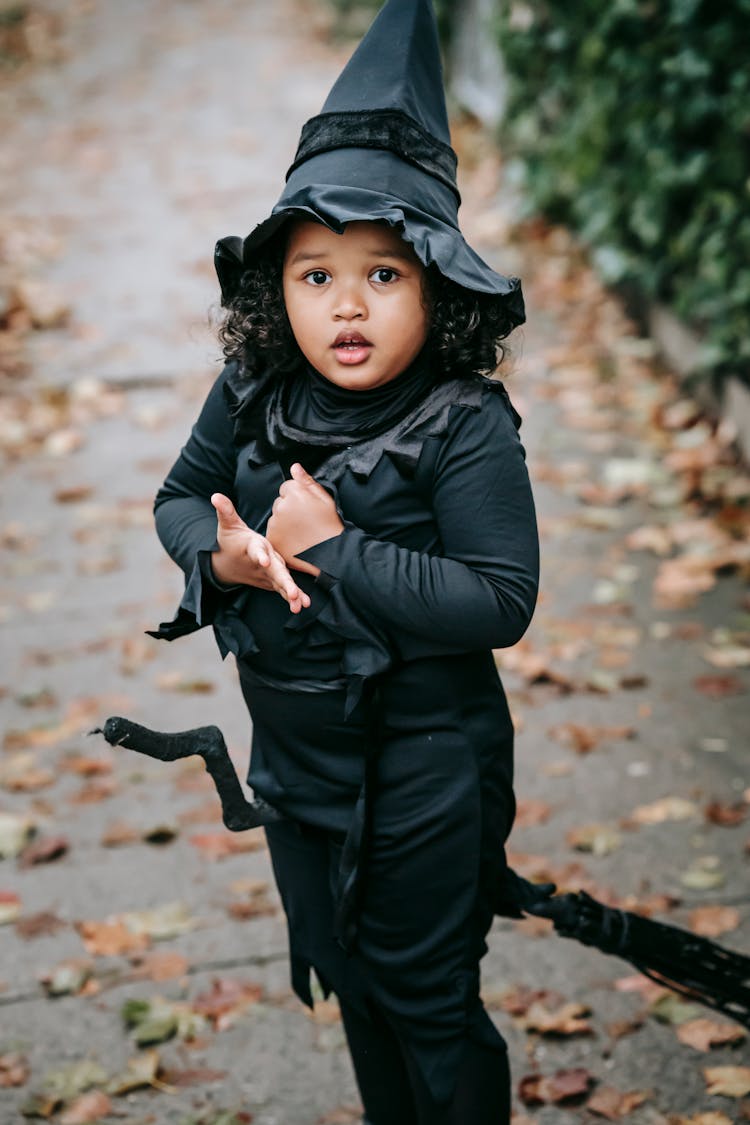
(380, 150)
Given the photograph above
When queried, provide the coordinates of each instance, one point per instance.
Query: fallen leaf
(14, 1069)
(44, 850)
(644, 986)
(728, 656)
(120, 833)
(703, 1034)
(21, 774)
(599, 839)
(226, 1000)
(86, 766)
(176, 681)
(156, 1020)
(569, 1019)
(141, 1071)
(730, 1081)
(39, 925)
(342, 1115)
(160, 834)
(563, 1086)
(672, 1009)
(712, 921)
(191, 1076)
(98, 789)
(726, 814)
(612, 1104)
(666, 808)
(15, 832)
(530, 812)
(703, 874)
(110, 938)
(713, 1117)
(10, 907)
(584, 738)
(718, 687)
(87, 1108)
(73, 494)
(161, 922)
(58, 1086)
(219, 845)
(68, 978)
(159, 966)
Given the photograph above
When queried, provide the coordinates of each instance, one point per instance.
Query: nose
(349, 302)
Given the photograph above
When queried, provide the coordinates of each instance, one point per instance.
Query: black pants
(394, 1093)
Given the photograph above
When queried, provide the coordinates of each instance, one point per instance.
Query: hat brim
(435, 242)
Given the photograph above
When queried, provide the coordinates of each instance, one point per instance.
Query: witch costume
(381, 732)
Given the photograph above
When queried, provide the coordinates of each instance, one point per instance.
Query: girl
(353, 515)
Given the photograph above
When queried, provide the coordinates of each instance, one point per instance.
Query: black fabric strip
(390, 129)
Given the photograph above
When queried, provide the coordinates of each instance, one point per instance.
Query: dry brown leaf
(703, 1034)
(569, 1019)
(557, 1089)
(226, 999)
(120, 833)
(191, 1076)
(531, 811)
(44, 850)
(584, 738)
(110, 939)
(648, 989)
(712, 921)
(218, 845)
(730, 1081)
(718, 687)
(159, 966)
(87, 1108)
(712, 1117)
(73, 494)
(342, 1115)
(10, 907)
(599, 839)
(14, 1069)
(86, 766)
(39, 925)
(98, 789)
(666, 808)
(726, 814)
(612, 1104)
(518, 1000)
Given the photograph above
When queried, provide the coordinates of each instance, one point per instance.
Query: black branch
(208, 743)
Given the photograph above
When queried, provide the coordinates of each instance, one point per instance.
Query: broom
(682, 961)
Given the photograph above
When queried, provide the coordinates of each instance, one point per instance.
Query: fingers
(225, 511)
(285, 585)
(301, 475)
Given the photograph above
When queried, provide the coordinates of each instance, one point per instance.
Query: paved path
(161, 128)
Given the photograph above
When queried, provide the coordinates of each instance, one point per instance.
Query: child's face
(354, 301)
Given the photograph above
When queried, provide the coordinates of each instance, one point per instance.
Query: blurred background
(603, 155)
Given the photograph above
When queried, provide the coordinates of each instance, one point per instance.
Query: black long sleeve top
(439, 554)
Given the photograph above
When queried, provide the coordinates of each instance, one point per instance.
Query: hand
(303, 514)
(246, 557)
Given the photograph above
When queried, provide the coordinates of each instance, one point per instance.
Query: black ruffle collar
(259, 408)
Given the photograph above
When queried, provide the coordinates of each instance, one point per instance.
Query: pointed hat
(380, 150)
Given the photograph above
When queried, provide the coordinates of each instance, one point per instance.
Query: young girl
(353, 515)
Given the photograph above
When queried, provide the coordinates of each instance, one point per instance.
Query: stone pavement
(158, 129)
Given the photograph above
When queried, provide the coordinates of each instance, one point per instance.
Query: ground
(136, 135)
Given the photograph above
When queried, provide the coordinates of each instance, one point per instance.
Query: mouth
(351, 347)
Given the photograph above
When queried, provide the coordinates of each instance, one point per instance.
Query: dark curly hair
(466, 328)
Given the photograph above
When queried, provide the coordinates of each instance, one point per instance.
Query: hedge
(633, 121)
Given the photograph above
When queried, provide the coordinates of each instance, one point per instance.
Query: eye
(383, 275)
(317, 277)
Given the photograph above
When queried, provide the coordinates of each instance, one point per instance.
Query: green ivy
(633, 121)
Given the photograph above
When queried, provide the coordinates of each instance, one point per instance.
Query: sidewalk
(161, 128)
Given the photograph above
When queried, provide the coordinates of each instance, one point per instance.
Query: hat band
(389, 129)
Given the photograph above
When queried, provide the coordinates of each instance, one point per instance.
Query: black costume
(437, 565)
(380, 727)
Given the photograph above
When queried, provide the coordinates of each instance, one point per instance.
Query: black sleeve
(481, 591)
(185, 518)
